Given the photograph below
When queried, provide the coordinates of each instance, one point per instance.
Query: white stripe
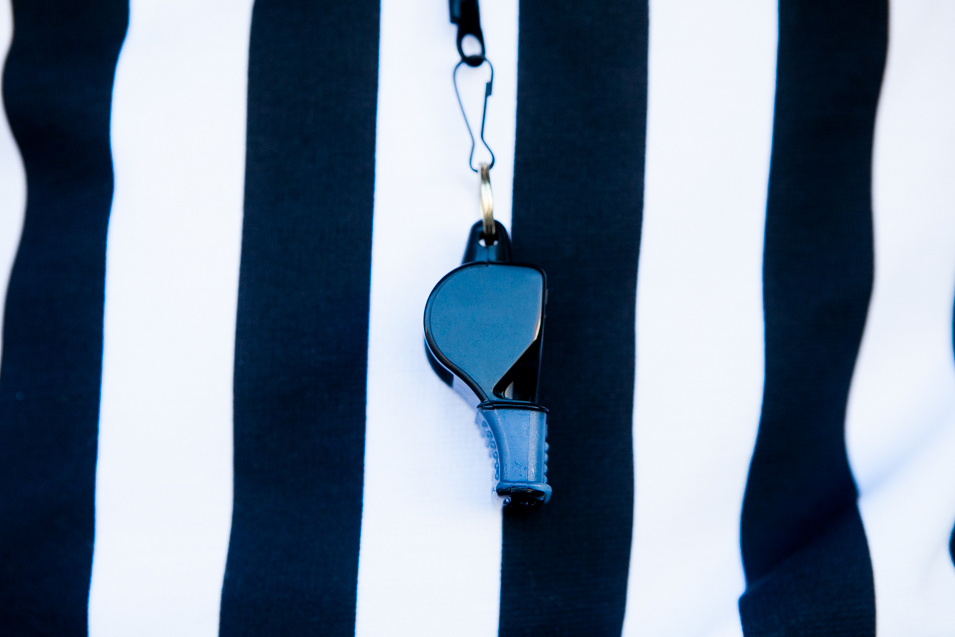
(431, 534)
(700, 347)
(164, 471)
(13, 184)
(901, 413)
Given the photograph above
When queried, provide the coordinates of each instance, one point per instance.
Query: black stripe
(578, 202)
(951, 539)
(57, 90)
(804, 547)
(302, 328)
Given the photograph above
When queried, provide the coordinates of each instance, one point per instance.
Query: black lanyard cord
(467, 15)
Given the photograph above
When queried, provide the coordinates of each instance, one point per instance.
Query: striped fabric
(219, 224)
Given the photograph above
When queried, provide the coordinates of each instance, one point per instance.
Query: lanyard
(467, 15)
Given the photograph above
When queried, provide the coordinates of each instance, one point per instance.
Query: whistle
(483, 327)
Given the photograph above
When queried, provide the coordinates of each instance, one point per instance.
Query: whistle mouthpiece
(517, 437)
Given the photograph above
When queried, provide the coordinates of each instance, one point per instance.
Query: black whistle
(483, 326)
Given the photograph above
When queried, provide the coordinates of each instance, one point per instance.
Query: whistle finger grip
(518, 440)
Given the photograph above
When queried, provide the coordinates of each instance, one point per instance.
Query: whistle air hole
(523, 501)
(520, 382)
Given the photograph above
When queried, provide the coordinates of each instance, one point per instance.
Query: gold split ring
(487, 202)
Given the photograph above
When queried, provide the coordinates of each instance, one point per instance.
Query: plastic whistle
(483, 326)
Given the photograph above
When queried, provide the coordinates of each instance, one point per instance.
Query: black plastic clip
(467, 16)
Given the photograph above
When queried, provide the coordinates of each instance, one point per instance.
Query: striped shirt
(219, 224)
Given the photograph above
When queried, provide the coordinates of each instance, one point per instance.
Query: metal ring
(487, 202)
